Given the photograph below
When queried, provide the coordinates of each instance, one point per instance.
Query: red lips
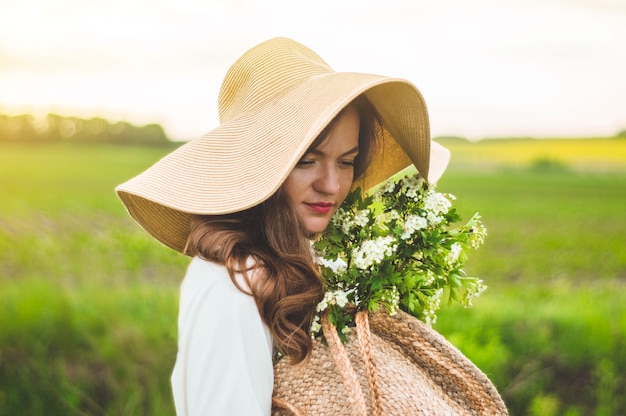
(320, 207)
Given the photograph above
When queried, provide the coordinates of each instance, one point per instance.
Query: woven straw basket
(391, 365)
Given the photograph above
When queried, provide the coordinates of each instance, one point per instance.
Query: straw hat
(274, 101)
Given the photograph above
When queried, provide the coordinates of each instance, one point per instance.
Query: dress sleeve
(224, 361)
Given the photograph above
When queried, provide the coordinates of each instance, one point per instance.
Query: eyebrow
(355, 149)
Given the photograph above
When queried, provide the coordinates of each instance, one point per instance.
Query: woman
(245, 199)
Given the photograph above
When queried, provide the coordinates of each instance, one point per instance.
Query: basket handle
(342, 361)
(278, 403)
(345, 368)
(367, 356)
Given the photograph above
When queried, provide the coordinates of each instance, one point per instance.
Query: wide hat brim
(246, 159)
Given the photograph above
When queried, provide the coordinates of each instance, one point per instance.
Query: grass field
(88, 301)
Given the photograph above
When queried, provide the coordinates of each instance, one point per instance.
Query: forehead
(345, 126)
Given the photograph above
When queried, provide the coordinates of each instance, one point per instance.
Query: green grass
(88, 300)
(93, 351)
(562, 342)
(59, 205)
(544, 226)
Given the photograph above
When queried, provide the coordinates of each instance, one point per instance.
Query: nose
(328, 181)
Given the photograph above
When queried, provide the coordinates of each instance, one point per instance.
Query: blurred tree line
(55, 128)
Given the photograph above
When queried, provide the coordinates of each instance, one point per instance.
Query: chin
(317, 227)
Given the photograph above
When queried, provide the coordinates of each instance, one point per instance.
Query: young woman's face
(322, 178)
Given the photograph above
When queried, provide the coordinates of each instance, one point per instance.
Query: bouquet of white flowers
(397, 248)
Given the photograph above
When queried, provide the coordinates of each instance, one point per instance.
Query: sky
(487, 68)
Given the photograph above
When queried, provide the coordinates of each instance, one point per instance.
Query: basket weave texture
(391, 365)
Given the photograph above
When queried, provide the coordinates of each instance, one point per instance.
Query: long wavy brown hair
(270, 247)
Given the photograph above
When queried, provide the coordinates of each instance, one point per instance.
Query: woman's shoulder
(204, 275)
(199, 266)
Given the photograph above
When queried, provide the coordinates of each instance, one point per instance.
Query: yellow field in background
(603, 154)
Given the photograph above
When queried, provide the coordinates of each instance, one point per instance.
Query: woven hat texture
(419, 373)
(274, 101)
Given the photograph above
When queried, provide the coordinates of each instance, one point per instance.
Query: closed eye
(348, 163)
(305, 162)
(310, 158)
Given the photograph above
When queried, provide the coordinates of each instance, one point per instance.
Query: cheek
(293, 186)
(346, 184)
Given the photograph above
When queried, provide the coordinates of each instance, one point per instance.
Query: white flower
(386, 187)
(392, 297)
(339, 216)
(433, 219)
(432, 306)
(341, 298)
(347, 223)
(315, 326)
(473, 292)
(373, 251)
(361, 218)
(412, 224)
(437, 203)
(338, 266)
(477, 235)
(382, 235)
(322, 305)
(342, 220)
(386, 217)
(453, 256)
(413, 182)
(430, 278)
(412, 193)
(337, 297)
(413, 186)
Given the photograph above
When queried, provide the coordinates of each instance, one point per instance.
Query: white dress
(224, 361)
